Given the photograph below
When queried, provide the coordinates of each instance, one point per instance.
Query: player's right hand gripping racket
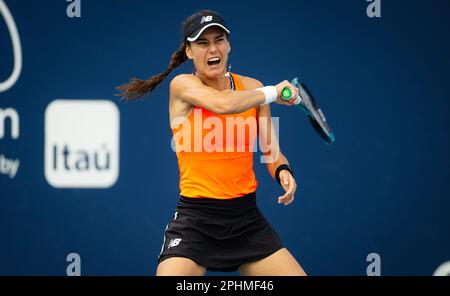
(306, 102)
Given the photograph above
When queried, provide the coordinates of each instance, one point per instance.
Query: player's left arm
(270, 147)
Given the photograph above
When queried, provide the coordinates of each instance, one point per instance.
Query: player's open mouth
(213, 61)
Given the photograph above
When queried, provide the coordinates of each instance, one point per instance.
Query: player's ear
(189, 52)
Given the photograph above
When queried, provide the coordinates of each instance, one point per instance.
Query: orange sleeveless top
(215, 152)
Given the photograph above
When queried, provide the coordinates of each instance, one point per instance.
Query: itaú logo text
(11, 80)
(82, 143)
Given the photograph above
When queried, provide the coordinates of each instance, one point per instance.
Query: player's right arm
(191, 90)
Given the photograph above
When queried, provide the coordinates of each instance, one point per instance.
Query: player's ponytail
(136, 88)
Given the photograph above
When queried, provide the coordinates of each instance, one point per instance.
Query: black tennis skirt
(219, 234)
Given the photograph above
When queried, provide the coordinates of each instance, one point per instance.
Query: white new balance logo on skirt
(174, 242)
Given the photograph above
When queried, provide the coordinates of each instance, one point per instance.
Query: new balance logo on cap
(174, 242)
(206, 18)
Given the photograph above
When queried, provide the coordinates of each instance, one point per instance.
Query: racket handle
(286, 94)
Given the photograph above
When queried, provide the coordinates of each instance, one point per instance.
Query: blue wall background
(383, 187)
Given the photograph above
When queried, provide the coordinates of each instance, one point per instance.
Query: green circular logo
(286, 93)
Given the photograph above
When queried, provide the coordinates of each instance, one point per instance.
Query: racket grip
(286, 94)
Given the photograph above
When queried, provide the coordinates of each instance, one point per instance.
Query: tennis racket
(306, 103)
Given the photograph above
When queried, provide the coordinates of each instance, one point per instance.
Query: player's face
(209, 52)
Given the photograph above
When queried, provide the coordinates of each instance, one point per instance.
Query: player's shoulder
(182, 81)
(182, 78)
(249, 82)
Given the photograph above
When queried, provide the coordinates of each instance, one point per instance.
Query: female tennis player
(217, 225)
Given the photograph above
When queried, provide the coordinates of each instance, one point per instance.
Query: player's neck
(221, 82)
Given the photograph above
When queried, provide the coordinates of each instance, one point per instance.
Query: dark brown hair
(136, 87)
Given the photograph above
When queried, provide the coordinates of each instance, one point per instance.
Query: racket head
(315, 115)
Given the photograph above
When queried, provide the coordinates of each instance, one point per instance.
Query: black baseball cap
(200, 22)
